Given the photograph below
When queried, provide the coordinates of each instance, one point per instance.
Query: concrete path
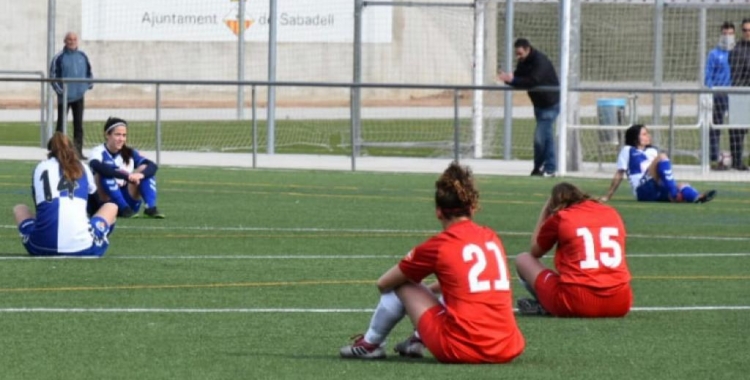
(374, 164)
(310, 113)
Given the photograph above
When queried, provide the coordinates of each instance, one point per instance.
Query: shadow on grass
(336, 358)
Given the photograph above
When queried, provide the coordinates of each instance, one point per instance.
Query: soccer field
(264, 274)
(382, 137)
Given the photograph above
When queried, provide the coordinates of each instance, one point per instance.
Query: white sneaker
(362, 350)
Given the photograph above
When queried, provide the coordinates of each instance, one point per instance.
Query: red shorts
(569, 300)
(434, 334)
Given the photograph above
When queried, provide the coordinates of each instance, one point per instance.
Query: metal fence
(460, 139)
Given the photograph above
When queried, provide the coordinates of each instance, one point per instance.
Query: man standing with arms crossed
(739, 64)
(535, 69)
(71, 63)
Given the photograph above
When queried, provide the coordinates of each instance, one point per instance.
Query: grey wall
(430, 45)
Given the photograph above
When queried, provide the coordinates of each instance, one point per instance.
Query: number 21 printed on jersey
(473, 252)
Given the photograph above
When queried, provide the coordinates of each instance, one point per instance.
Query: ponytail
(62, 149)
(565, 195)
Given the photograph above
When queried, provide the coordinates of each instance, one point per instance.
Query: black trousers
(62, 113)
(736, 136)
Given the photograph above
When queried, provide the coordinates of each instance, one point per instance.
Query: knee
(135, 190)
(662, 157)
(21, 210)
(523, 259)
(108, 211)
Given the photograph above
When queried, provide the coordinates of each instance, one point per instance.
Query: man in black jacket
(535, 69)
(739, 66)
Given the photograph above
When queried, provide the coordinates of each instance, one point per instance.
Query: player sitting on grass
(60, 188)
(475, 324)
(650, 172)
(591, 277)
(124, 176)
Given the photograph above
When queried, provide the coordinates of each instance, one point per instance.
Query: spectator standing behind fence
(535, 69)
(739, 65)
(718, 74)
(71, 63)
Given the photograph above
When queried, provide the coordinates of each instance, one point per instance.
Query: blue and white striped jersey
(635, 163)
(115, 161)
(61, 223)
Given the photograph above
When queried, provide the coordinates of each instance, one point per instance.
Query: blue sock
(147, 188)
(664, 168)
(689, 194)
(101, 227)
(113, 191)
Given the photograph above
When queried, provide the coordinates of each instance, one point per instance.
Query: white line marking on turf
(701, 254)
(212, 257)
(326, 257)
(388, 231)
(301, 310)
(689, 308)
(185, 311)
(271, 229)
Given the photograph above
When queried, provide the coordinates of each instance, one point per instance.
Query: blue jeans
(544, 138)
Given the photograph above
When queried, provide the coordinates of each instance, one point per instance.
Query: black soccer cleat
(706, 197)
(153, 212)
(412, 347)
(530, 306)
(126, 212)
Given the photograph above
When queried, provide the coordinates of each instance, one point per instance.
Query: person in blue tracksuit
(718, 74)
(71, 63)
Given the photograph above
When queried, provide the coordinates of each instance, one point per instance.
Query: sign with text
(218, 20)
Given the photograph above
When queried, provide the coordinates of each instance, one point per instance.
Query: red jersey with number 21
(590, 240)
(469, 262)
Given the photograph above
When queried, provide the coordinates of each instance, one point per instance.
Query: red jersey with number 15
(469, 262)
(590, 240)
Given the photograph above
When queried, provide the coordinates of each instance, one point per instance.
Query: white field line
(329, 257)
(301, 310)
(387, 231)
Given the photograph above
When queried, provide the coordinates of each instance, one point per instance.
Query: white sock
(389, 312)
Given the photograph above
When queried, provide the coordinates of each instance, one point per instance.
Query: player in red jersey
(474, 323)
(591, 277)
